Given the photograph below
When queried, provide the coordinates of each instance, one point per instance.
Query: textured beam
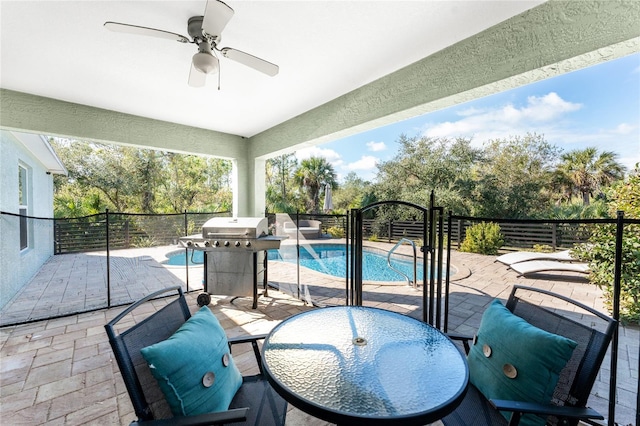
(35, 114)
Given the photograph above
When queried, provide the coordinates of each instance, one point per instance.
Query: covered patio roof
(345, 67)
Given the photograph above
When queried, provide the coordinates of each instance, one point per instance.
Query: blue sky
(597, 106)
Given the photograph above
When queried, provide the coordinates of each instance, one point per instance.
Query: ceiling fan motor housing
(194, 28)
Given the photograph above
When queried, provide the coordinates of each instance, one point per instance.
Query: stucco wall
(18, 267)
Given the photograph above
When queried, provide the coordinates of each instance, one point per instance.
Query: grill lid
(235, 227)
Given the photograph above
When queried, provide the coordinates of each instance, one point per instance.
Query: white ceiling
(59, 49)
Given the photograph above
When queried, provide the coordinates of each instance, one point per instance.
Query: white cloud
(376, 146)
(468, 111)
(541, 114)
(313, 151)
(366, 162)
(548, 107)
(624, 128)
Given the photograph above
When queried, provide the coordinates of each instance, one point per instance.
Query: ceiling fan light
(205, 62)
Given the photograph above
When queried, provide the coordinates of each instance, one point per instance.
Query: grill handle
(219, 234)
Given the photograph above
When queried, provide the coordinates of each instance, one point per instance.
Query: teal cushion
(183, 364)
(513, 360)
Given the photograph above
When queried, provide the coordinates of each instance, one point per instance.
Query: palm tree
(587, 171)
(281, 197)
(314, 173)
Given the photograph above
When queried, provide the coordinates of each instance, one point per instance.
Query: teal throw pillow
(194, 367)
(513, 360)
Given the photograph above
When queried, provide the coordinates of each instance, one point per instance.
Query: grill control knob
(226, 243)
(207, 244)
(237, 244)
(216, 243)
(248, 244)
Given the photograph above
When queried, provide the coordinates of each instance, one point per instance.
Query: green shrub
(600, 250)
(374, 238)
(542, 248)
(141, 242)
(335, 232)
(483, 238)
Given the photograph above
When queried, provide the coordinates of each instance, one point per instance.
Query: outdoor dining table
(362, 365)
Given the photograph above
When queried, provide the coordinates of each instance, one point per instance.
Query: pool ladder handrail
(415, 257)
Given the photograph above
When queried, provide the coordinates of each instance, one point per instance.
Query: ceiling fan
(205, 31)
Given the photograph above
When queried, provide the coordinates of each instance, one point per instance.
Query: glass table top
(346, 363)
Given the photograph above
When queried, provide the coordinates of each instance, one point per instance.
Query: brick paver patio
(61, 371)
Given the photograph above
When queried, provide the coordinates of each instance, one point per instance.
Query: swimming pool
(326, 258)
(176, 258)
(331, 258)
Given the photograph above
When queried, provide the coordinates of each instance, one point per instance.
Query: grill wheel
(203, 299)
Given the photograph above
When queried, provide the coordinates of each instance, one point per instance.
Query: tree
(587, 171)
(281, 196)
(148, 163)
(108, 168)
(425, 164)
(352, 194)
(510, 180)
(127, 179)
(313, 174)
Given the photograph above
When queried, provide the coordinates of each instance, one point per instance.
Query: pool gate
(435, 300)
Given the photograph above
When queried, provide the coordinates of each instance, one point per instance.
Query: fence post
(617, 275)
(554, 236)
(186, 250)
(448, 271)
(56, 236)
(459, 233)
(108, 260)
(347, 272)
(390, 230)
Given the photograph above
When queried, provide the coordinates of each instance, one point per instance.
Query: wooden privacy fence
(516, 234)
(124, 230)
(526, 234)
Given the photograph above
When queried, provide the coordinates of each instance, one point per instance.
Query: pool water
(176, 258)
(326, 258)
(331, 258)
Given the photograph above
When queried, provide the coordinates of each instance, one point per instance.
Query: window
(23, 196)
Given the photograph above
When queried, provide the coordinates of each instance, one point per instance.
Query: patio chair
(255, 402)
(502, 352)
(537, 266)
(524, 256)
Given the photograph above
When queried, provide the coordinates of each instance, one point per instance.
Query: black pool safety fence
(59, 267)
(99, 261)
(109, 259)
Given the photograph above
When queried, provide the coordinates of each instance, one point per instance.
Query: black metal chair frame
(576, 379)
(147, 399)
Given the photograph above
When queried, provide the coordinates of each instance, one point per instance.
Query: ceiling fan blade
(216, 16)
(251, 61)
(135, 29)
(196, 78)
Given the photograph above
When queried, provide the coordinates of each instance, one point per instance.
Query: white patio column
(259, 187)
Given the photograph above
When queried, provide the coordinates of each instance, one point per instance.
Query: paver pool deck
(61, 371)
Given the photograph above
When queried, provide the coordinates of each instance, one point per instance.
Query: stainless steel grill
(220, 233)
(235, 255)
